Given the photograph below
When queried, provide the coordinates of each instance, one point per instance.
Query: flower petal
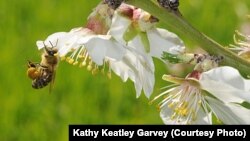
(123, 68)
(102, 46)
(118, 27)
(227, 84)
(229, 113)
(135, 67)
(203, 118)
(52, 39)
(162, 40)
(65, 41)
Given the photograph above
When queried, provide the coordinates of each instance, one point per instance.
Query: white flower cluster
(125, 41)
(102, 42)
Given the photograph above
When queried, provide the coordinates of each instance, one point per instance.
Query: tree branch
(178, 24)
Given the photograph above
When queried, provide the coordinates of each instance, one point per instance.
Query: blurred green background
(78, 97)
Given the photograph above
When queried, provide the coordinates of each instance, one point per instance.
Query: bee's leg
(32, 64)
(37, 83)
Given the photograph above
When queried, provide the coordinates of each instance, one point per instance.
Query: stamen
(80, 52)
(109, 75)
(84, 63)
(75, 63)
(81, 58)
(95, 70)
(71, 61)
(171, 105)
(89, 67)
(63, 58)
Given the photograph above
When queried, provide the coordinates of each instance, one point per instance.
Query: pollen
(84, 63)
(183, 102)
(75, 63)
(171, 105)
(95, 70)
(63, 58)
(146, 17)
(89, 67)
(184, 112)
(81, 58)
(71, 61)
(67, 59)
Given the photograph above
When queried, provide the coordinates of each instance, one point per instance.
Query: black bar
(158, 132)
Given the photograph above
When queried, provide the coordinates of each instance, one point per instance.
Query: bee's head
(50, 51)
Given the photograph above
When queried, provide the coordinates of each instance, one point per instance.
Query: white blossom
(218, 92)
(137, 30)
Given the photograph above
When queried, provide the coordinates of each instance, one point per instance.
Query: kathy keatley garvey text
(120, 132)
(164, 134)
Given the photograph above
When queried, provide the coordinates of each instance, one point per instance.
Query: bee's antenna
(51, 44)
(56, 42)
(45, 47)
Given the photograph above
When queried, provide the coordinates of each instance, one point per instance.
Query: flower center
(185, 102)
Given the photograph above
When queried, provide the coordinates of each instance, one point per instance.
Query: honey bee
(44, 72)
(40, 75)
